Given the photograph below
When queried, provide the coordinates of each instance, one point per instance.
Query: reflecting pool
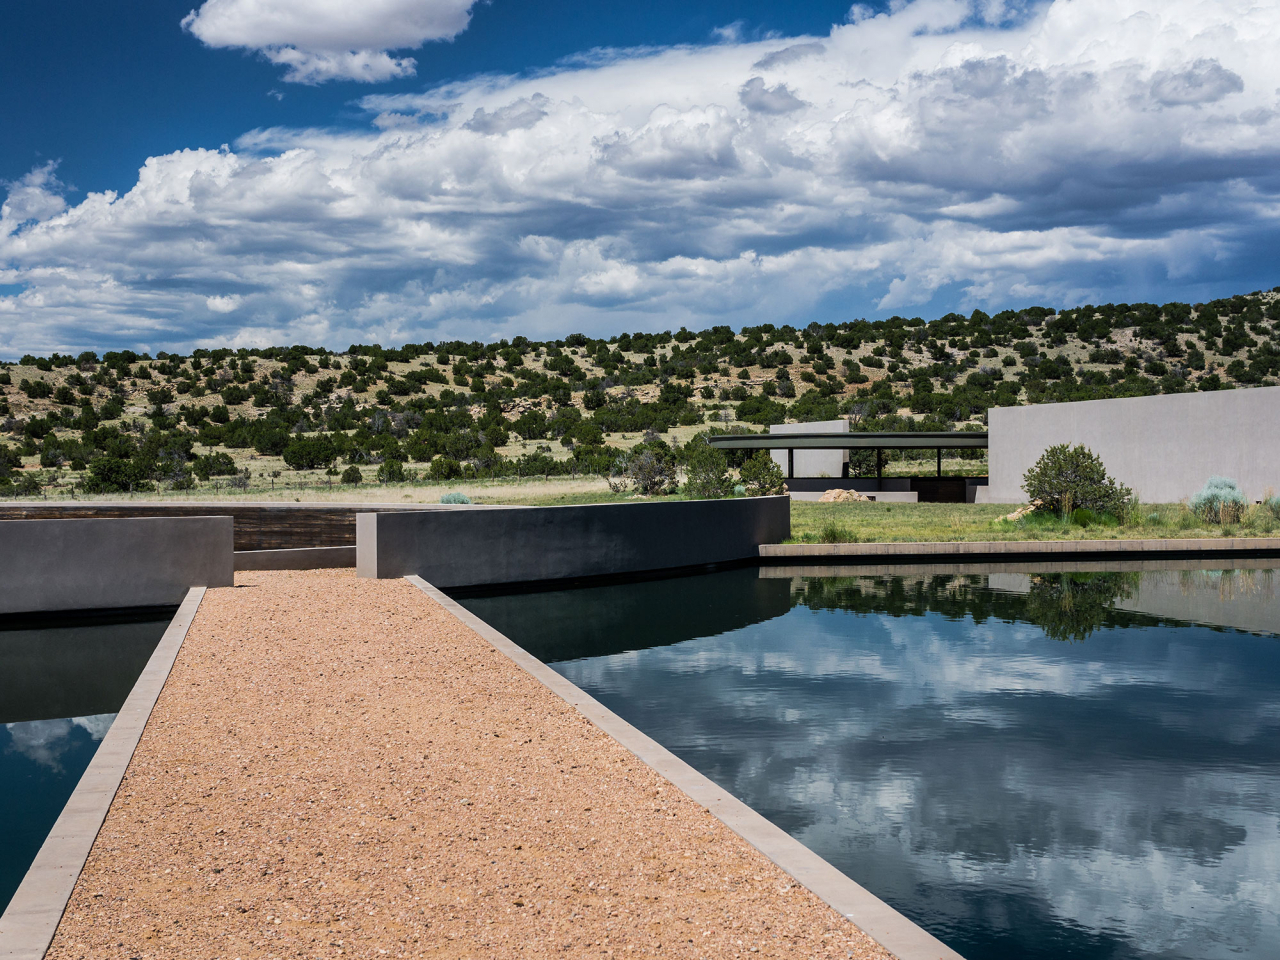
(1030, 765)
(61, 684)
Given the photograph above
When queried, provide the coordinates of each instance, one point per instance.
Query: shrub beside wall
(1220, 500)
(1068, 478)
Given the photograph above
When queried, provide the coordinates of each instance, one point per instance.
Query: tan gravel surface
(339, 767)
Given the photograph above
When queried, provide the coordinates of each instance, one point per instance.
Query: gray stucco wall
(1164, 447)
(48, 565)
(472, 547)
(812, 463)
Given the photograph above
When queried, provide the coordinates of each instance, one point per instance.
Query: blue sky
(181, 174)
(100, 85)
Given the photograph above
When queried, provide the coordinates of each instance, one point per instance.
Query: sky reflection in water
(1114, 793)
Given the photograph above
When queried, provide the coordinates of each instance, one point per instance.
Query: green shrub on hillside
(9, 460)
(117, 475)
(29, 484)
(310, 453)
(444, 468)
(36, 389)
(214, 465)
(762, 411)
(391, 471)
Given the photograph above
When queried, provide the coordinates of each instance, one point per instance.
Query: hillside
(235, 418)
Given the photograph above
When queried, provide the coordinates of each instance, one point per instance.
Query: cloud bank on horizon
(948, 153)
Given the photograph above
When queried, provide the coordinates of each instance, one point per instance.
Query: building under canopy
(814, 457)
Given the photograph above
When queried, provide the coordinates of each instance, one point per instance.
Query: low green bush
(444, 468)
(1043, 520)
(29, 484)
(455, 497)
(761, 476)
(1084, 517)
(214, 465)
(310, 453)
(352, 475)
(834, 533)
(706, 471)
(1272, 504)
(391, 471)
(1187, 520)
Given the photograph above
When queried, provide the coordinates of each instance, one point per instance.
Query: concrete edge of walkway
(32, 917)
(785, 568)
(1034, 549)
(897, 934)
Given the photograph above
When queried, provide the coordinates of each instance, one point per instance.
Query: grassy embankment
(931, 522)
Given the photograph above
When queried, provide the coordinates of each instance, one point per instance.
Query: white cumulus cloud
(37, 196)
(222, 304)
(943, 156)
(322, 40)
(758, 97)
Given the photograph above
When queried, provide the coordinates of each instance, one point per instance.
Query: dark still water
(1051, 767)
(61, 685)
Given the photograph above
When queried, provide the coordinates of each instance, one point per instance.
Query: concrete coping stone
(899, 935)
(791, 568)
(32, 917)
(1248, 546)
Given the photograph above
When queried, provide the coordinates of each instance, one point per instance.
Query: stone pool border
(1007, 550)
(897, 934)
(30, 921)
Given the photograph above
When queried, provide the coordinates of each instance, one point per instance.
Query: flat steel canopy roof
(851, 441)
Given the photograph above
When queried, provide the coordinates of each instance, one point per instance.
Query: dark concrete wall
(259, 526)
(498, 545)
(48, 565)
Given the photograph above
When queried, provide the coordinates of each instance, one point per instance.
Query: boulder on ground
(843, 496)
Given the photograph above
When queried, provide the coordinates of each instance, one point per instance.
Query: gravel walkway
(339, 767)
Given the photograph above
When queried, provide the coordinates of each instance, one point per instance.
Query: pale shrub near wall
(1220, 500)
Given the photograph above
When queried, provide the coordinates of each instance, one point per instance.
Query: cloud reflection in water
(45, 741)
(1113, 796)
